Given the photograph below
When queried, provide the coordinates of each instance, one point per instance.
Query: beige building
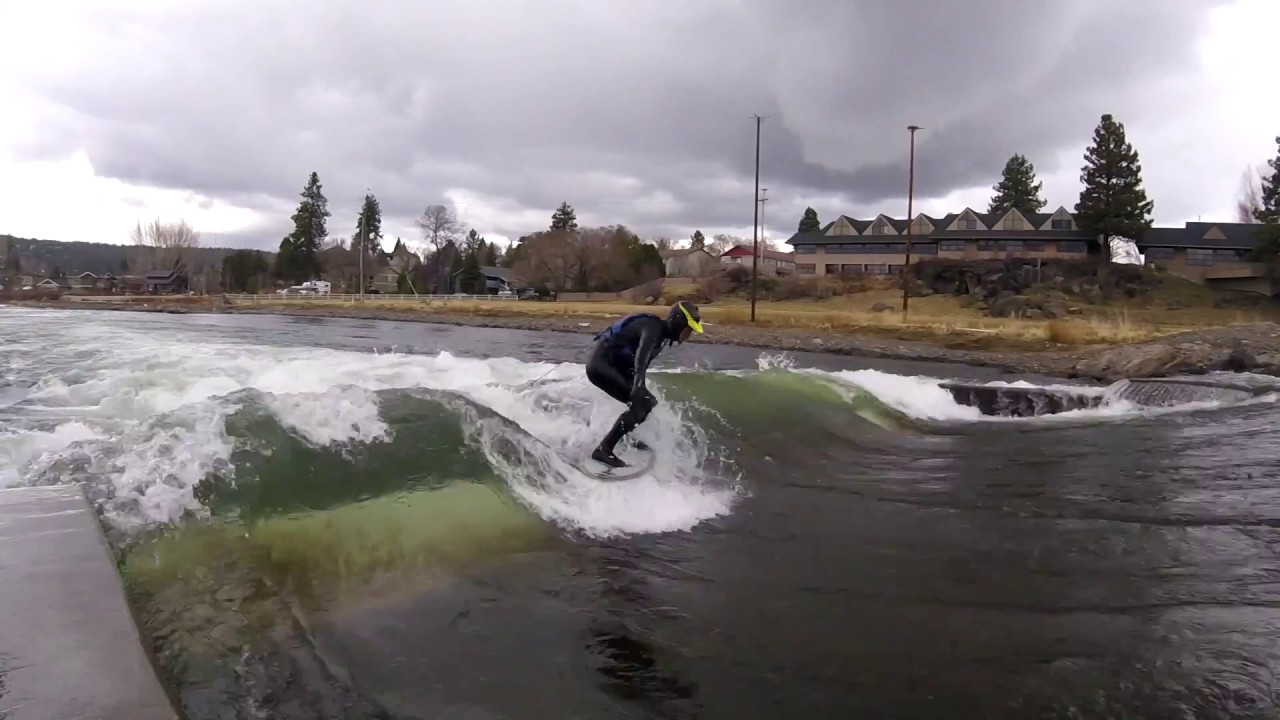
(1207, 253)
(689, 262)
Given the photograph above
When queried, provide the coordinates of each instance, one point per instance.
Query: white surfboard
(639, 462)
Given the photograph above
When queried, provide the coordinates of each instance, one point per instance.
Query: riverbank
(1245, 347)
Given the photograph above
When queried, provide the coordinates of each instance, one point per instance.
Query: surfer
(620, 360)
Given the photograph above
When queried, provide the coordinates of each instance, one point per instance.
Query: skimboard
(639, 462)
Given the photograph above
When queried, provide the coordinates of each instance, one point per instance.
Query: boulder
(880, 307)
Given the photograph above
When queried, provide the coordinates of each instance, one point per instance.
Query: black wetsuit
(618, 365)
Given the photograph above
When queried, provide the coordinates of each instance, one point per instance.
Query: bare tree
(1249, 201)
(664, 243)
(439, 225)
(720, 243)
(168, 245)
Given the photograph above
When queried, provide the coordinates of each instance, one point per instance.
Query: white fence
(354, 298)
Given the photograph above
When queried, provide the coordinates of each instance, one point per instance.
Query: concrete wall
(69, 648)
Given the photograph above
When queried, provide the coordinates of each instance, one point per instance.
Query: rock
(1238, 360)
(1035, 314)
(1008, 306)
(880, 307)
(1131, 361)
(967, 301)
(1054, 310)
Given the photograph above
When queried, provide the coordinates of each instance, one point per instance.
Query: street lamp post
(755, 225)
(911, 186)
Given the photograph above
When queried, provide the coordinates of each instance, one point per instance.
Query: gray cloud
(637, 114)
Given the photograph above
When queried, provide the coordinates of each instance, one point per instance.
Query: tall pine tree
(369, 221)
(1017, 188)
(809, 221)
(1268, 214)
(1268, 210)
(564, 218)
(1113, 201)
(299, 257)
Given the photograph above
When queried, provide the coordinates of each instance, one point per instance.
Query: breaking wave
(161, 431)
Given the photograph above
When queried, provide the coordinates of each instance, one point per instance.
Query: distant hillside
(52, 257)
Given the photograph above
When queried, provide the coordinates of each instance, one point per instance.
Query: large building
(1208, 253)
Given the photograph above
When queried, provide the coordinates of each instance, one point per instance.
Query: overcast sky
(635, 113)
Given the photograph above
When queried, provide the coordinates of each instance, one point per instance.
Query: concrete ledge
(69, 648)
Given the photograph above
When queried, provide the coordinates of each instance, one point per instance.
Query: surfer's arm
(649, 336)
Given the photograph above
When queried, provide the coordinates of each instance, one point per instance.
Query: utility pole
(911, 187)
(755, 224)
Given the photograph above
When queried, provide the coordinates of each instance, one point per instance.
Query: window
(806, 249)
(925, 248)
(1072, 246)
(1033, 245)
(1199, 256)
(1013, 221)
(1009, 244)
(880, 228)
(920, 226)
(1158, 253)
(832, 269)
(968, 223)
(951, 246)
(1229, 255)
(851, 269)
(1061, 224)
(805, 268)
(876, 269)
(988, 245)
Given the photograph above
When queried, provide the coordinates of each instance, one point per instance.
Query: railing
(354, 298)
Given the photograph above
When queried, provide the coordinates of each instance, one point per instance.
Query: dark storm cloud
(527, 101)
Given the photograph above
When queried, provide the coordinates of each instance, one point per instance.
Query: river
(348, 518)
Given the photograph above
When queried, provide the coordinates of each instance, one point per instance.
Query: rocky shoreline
(1238, 348)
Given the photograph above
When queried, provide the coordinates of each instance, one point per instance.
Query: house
(164, 282)
(496, 279)
(689, 262)
(771, 262)
(1207, 253)
(51, 284)
(87, 283)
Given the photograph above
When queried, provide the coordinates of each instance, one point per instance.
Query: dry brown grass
(937, 318)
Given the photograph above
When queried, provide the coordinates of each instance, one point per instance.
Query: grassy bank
(938, 318)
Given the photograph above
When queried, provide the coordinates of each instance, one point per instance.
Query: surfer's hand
(638, 394)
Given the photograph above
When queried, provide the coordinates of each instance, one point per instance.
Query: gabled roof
(1193, 234)
(501, 273)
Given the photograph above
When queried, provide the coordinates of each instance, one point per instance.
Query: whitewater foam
(155, 414)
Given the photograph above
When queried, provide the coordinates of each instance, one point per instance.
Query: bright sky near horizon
(216, 110)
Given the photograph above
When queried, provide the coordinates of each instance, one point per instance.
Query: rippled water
(324, 518)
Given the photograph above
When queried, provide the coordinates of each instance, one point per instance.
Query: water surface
(341, 518)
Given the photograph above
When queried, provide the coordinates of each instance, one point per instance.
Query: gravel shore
(1254, 347)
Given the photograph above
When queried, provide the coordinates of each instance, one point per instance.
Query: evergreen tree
(489, 258)
(369, 221)
(1268, 210)
(564, 218)
(1017, 188)
(473, 243)
(809, 222)
(1113, 201)
(1268, 215)
(698, 241)
(309, 232)
(469, 277)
